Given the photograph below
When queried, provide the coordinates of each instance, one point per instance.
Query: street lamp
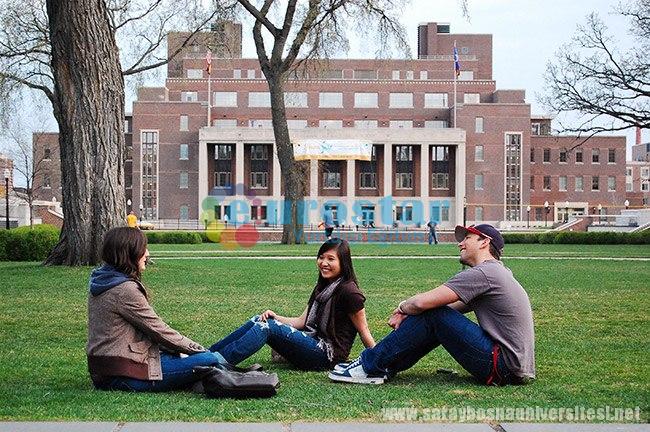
(128, 205)
(566, 205)
(600, 210)
(626, 204)
(464, 211)
(141, 208)
(7, 175)
(546, 210)
(528, 216)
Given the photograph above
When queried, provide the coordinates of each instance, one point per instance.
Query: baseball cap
(484, 230)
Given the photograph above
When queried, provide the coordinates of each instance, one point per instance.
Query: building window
(409, 75)
(645, 186)
(645, 173)
(436, 100)
(250, 74)
(424, 75)
(184, 180)
(264, 123)
(222, 179)
(547, 155)
(579, 184)
(563, 156)
(258, 212)
(440, 167)
(365, 100)
(365, 124)
(184, 123)
(330, 100)
(297, 124)
(259, 180)
(532, 182)
(611, 156)
(259, 100)
(478, 182)
(403, 153)
(478, 125)
(185, 152)
(332, 175)
(236, 73)
(535, 128)
(579, 155)
(189, 96)
(478, 214)
(404, 213)
(444, 214)
(401, 100)
(184, 213)
(330, 124)
(472, 98)
(368, 180)
(400, 124)
(395, 75)
(513, 176)
(195, 73)
(224, 123)
(47, 182)
(295, 100)
(259, 152)
(628, 172)
(466, 76)
(611, 184)
(224, 99)
(47, 153)
(532, 155)
(365, 74)
(595, 156)
(562, 184)
(331, 74)
(547, 183)
(404, 180)
(149, 174)
(595, 186)
(629, 187)
(478, 153)
(223, 152)
(436, 124)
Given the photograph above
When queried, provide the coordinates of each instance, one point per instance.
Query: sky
(526, 34)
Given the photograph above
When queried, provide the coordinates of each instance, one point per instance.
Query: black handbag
(221, 383)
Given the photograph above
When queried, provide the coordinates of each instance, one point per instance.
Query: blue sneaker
(354, 373)
(341, 366)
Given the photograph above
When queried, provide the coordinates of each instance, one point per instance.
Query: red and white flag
(208, 63)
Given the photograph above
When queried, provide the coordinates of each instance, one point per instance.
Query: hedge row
(28, 243)
(578, 237)
(174, 237)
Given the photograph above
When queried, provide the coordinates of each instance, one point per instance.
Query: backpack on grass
(221, 383)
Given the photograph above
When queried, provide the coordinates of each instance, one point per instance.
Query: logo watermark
(580, 414)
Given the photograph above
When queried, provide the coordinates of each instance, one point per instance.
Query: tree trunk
(89, 108)
(294, 173)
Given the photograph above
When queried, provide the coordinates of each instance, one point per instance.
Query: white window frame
(366, 100)
(184, 123)
(224, 99)
(404, 181)
(259, 175)
(479, 156)
(295, 100)
(227, 177)
(184, 180)
(436, 100)
(189, 96)
(194, 73)
(472, 98)
(400, 100)
(479, 125)
(479, 185)
(330, 100)
(330, 124)
(259, 100)
(424, 75)
(609, 184)
(366, 124)
(184, 152)
(370, 177)
(563, 187)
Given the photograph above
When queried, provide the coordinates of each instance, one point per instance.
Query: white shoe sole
(369, 380)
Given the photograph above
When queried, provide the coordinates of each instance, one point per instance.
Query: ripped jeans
(302, 351)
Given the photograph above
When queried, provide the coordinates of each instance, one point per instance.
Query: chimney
(638, 135)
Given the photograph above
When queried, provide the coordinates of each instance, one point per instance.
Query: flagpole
(455, 79)
(209, 70)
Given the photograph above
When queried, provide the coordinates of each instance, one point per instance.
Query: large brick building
(482, 156)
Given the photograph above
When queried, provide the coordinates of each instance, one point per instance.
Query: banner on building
(328, 149)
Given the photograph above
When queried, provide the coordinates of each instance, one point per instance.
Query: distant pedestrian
(328, 223)
(433, 236)
(132, 220)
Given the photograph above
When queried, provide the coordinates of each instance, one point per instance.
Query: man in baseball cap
(499, 350)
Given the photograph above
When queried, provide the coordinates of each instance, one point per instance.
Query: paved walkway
(315, 427)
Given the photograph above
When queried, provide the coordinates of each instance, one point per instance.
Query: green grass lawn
(591, 320)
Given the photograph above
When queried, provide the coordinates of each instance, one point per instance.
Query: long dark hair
(123, 247)
(342, 248)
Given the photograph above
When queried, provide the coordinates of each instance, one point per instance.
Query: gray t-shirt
(502, 309)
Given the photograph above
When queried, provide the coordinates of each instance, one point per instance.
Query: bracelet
(400, 307)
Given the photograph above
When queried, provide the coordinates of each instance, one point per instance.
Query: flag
(456, 62)
(208, 63)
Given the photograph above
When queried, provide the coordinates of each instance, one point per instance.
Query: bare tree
(609, 89)
(68, 50)
(305, 32)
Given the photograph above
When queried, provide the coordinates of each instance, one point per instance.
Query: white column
(460, 182)
(313, 178)
(351, 177)
(239, 165)
(203, 175)
(277, 173)
(424, 171)
(388, 169)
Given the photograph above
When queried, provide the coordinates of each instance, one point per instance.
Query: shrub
(512, 238)
(28, 243)
(173, 237)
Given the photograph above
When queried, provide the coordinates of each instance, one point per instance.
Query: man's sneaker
(341, 366)
(354, 373)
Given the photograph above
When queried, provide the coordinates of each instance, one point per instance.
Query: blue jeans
(302, 351)
(433, 237)
(417, 335)
(176, 373)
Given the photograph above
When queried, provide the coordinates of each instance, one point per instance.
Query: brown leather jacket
(125, 335)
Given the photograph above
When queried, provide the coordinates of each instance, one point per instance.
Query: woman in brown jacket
(129, 346)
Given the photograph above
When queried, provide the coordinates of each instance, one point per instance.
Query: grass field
(591, 320)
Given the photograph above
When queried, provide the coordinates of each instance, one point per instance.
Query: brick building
(481, 156)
